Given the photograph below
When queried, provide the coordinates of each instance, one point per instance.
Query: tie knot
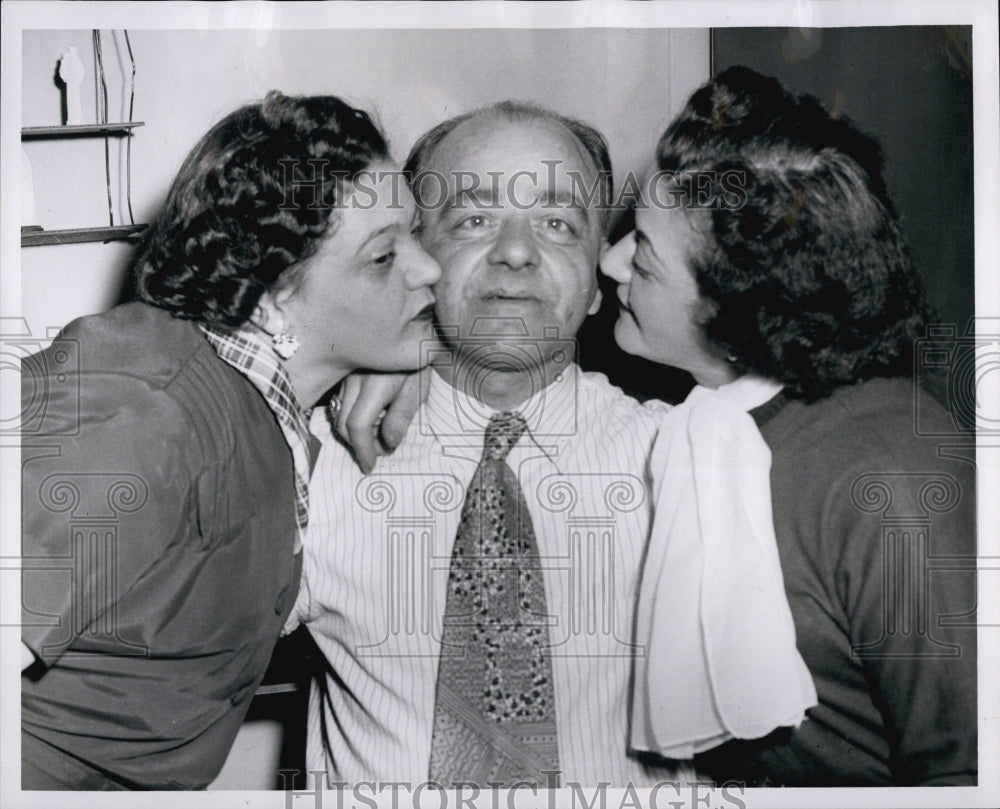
(502, 433)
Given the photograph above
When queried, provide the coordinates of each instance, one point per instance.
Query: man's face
(506, 220)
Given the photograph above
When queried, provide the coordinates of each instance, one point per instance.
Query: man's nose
(515, 246)
(616, 263)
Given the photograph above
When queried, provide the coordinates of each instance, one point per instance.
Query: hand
(376, 411)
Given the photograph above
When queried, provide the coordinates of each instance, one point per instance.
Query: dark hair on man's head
(805, 272)
(587, 136)
(253, 199)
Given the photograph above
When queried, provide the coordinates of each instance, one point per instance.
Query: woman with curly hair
(794, 633)
(166, 444)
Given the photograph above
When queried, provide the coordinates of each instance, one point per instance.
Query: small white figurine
(71, 72)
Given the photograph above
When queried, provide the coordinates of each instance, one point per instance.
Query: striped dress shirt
(378, 551)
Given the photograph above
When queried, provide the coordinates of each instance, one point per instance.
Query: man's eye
(473, 222)
(558, 225)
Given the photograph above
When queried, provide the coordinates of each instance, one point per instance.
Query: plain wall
(627, 82)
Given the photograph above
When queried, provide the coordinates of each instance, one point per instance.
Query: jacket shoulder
(131, 339)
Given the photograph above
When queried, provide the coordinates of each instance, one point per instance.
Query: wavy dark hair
(252, 200)
(588, 137)
(803, 267)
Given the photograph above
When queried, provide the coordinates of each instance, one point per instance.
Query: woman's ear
(265, 316)
(269, 314)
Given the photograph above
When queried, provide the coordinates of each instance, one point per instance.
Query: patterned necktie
(494, 718)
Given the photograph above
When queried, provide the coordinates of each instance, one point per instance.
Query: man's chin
(518, 321)
(499, 355)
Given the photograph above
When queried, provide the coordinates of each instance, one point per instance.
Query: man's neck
(497, 388)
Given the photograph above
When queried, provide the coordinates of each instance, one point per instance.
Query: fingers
(364, 400)
(403, 408)
(350, 390)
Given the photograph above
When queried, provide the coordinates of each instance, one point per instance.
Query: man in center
(474, 596)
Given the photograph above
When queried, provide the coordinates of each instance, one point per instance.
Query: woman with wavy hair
(794, 632)
(166, 444)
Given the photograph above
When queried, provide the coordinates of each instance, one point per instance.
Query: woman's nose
(421, 269)
(616, 263)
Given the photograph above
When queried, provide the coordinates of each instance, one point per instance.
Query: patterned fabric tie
(494, 718)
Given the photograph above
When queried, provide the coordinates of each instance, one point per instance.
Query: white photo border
(18, 16)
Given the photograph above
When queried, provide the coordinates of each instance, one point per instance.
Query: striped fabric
(378, 552)
(253, 358)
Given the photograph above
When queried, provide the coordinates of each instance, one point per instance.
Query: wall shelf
(34, 238)
(31, 234)
(80, 130)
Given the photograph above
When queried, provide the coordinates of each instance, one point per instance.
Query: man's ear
(595, 305)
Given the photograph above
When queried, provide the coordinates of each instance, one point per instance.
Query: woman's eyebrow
(392, 227)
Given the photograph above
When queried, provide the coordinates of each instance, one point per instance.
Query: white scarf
(721, 660)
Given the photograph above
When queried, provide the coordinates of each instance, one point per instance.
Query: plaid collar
(252, 357)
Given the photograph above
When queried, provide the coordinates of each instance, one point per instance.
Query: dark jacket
(158, 541)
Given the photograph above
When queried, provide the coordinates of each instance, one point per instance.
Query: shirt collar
(457, 420)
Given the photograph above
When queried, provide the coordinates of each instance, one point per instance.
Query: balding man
(474, 596)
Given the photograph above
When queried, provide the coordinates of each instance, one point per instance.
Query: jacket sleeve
(106, 487)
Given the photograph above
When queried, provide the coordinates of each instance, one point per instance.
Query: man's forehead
(493, 142)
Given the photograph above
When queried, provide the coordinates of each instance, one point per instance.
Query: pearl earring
(285, 343)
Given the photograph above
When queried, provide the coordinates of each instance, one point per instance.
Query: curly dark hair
(246, 209)
(805, 272)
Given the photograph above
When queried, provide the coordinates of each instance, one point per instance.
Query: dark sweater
(864, 508)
